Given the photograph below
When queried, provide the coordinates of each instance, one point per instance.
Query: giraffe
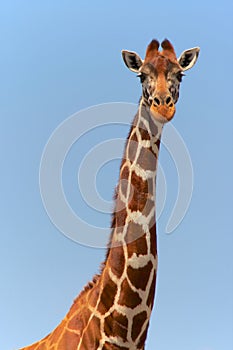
(113, 310)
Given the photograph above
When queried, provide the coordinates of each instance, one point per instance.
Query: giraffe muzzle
(163, 108)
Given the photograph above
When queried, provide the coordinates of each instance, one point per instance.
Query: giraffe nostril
(168, 100)
(156, 101)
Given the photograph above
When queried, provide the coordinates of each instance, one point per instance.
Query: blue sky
(60, 57)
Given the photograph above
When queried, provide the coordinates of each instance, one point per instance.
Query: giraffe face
(160, 87)
(160, 75)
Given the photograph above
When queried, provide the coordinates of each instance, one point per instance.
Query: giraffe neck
(130, 269)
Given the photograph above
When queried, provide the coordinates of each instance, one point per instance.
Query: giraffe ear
(188, 58)
(132, 60)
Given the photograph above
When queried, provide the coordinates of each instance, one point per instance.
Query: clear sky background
(58, 57)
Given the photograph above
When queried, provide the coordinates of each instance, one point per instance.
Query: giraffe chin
(162, 113)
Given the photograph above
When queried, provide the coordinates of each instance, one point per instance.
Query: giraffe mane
(91, 284)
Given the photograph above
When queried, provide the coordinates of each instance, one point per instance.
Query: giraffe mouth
(163, 113)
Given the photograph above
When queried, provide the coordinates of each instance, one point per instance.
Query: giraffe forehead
(159, 64)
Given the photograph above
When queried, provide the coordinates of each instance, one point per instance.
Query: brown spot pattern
(143, 132)
(124, 186)
(93, 296)
(153, 128)
(125, 172)
(116, 325)
(91, 336)
(69, 341)
(134, 232)
(79, 321)
(138, 322)
(139, 193)
(139, 277)
(76, 322)
(132, 147)
(117, 260)
(138, 246)
(137, 200)
(128, 297)
(147, 159)
(120, 218)
(138, 183)
(108, 294)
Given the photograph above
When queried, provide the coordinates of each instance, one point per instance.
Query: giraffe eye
(142, 77)
(179, 76)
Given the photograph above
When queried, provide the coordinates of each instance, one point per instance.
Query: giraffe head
(161, 74)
